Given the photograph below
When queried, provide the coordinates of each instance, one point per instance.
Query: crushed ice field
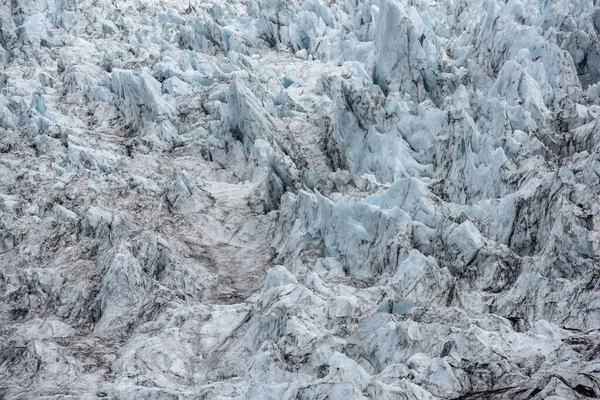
(300, 199)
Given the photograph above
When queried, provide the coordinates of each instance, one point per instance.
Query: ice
(7, 242)
(304, 199)
(136, 91)
(184, 196)
(278, 276)
(463, 244)
(400, 61)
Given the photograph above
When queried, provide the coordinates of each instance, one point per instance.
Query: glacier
(300, 199)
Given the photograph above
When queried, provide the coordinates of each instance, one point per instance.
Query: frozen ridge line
(284, 199)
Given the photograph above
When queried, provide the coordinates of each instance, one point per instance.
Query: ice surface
(299, 199)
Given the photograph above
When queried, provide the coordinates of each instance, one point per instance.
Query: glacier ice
(300, 199)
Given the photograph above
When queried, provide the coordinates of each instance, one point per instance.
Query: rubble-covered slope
(299, 199)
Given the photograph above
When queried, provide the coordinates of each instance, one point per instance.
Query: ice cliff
(300, 199)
